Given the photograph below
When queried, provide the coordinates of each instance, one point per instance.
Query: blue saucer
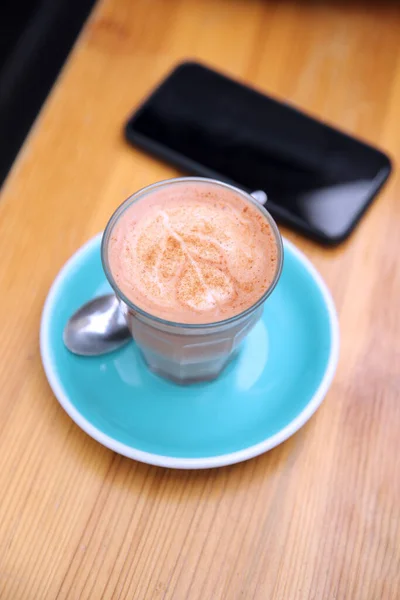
(266, 394)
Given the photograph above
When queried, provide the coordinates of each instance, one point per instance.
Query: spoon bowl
(98, 327)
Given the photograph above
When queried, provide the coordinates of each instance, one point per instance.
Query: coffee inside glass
(192, 261)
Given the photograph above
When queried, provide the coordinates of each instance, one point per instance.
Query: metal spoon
(98, 327)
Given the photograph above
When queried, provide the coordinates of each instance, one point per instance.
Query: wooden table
(316, 518)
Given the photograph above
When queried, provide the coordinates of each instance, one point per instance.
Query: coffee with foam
(193, 252)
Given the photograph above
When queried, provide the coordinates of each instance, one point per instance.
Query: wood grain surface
(319, 516)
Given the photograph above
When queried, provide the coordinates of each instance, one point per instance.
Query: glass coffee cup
(182, 351)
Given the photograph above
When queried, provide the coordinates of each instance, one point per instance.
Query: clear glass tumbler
(183, 352)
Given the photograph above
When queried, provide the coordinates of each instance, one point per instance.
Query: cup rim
(194, 326)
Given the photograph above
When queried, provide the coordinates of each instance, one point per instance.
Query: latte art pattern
(193, 254)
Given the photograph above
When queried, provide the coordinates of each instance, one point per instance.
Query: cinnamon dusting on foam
(193, 253)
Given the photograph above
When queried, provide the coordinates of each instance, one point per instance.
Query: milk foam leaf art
(193, 251)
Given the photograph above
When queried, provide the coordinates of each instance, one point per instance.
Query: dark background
(35, 39)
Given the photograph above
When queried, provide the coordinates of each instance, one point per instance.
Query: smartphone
(317, 180)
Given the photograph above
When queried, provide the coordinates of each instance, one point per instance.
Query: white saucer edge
(177, 462)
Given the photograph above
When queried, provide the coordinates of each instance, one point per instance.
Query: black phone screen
(317, 179)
